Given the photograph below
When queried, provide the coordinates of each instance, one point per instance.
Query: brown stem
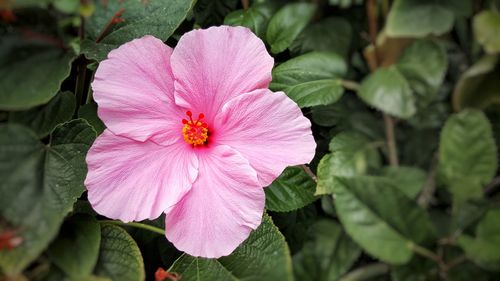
(309, 172)
(246, 4)
(371, 11)
(391, 140)
(114, 20)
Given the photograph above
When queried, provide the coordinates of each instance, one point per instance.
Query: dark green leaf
(76, 249)
(256, 17)
(153, 17)
(328, 35)
(419, 18)
(40, 184)
(43, 119)
(21, 83)
(263, 256)
(483, 248)
(478, 85)
(119, 256)
(328, 255)
(467, 154)
(311, 79)
(293, 189)
(380, 218)
(89, 113)
(351, 155)
(408, 180)
(388, 91)
(287, 24)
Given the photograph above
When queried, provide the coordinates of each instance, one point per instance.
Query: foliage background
(403, 95)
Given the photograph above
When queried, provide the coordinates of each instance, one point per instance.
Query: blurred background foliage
(404, 98)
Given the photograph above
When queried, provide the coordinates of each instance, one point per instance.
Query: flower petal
(225, 203)
(213, 65)
(134, 90)
(269, 130)
(132, 181)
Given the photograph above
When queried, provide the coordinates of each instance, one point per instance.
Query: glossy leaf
(43, 119)
(351, 155)
(263, 256)
(380, 218)
(419, 18)
(409, 180)
(287, 24)
(292, 190)
(256, 17)
(311, 79)
(389, 91)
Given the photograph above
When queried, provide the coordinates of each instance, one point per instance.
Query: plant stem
(426, 253)
(309, 172)
(81, 70)
(350, 85)
(246, 4)
(366, 272)
(136, 225)
(391, 140)
(430, 185)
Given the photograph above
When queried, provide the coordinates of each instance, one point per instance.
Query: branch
(309, 172)
(391, 140)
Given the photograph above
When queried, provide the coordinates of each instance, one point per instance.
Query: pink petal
(268, 129)
(225, 203)
(132, 181)
(211, 66)
(134, 90)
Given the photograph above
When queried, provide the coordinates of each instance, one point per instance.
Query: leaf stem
(136, 225)
(350, 85)
(309, 172)
(426, 253)
(425, 197)
(246, 4)
(391, 140)
(81, 70)
(366, 272)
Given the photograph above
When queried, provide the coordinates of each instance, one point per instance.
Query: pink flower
(193, 133)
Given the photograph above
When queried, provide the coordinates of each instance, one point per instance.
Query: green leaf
(408, 180)
(311, 79)
(487, 30)
(212, 12)
(328, 255)
(418, 269)
(287, 24)
(467, 154)
(478, 85)
(351, 155)
(380, 218)
(21, 86)
(256, 17)
(419, 18)
(89, 113)
(153, 17)
(293, 190)
(76, 249)
(43, 119)
(40, 183)
(388, 91)
(329, 35)
(424, 65)
(263, 256)
(119, 255)
(483, 248)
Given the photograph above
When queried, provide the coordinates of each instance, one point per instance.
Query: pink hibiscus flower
(193, 133)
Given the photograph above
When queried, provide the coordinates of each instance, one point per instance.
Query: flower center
(195, 132)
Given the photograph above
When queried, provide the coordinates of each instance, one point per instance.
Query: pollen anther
(195, 132)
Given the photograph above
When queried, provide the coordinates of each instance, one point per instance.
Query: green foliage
(311, 79)
(403, 99)
(293, 189)
(263, 256)
(287, 24)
